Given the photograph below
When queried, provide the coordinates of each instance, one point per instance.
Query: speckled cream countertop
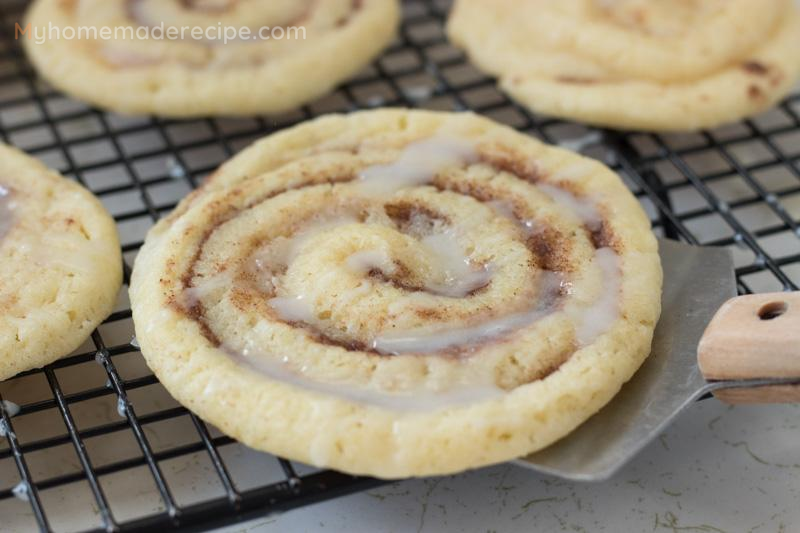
(717, 469)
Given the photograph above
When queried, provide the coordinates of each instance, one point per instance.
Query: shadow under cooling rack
(94, 442)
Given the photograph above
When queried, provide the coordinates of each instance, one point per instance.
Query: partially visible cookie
(636, 64)
(305, 49)
(60, 264)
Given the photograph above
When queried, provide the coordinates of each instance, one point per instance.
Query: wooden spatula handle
(754, 336)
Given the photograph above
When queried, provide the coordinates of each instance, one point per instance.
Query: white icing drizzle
(278, 255)
(595, 320)
(51, 249)
(5, 431)
(375, 101)
(459, 278)
(293, 308)
(366, 260)
(175, 169)
(196, 293)
(578, 144)
(21, 491)
(584, 210)
(10, 408)
(505, 209)
(7, 207)
(601, 315)
(418, 93)
(575, 170)
(416, 400)
(423, 341)
(122, 407)
(281, 251)
(418, 164)
(454, 274)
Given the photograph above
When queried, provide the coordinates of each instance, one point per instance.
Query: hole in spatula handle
(772, 310)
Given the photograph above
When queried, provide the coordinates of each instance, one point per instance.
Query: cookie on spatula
(399, 293)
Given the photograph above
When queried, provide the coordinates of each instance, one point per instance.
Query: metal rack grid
(737, 186)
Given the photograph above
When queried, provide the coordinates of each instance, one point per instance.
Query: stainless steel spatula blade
(697, 281)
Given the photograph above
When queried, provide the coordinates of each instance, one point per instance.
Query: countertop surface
(717, 469)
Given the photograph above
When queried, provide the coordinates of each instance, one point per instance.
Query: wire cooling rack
(98, 445)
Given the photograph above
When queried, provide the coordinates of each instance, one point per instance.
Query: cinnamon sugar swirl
(183, 58)
(399, 293)
(60, 264)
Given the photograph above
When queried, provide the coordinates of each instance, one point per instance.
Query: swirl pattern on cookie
(287, 53)
(636, 64)
(60, 264)
(395, 272)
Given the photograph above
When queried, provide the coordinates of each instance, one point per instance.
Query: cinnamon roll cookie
(399, 293)
(60, 264)
(185, 58)
(637, 64)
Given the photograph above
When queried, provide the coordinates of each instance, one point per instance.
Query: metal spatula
(749, 352)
